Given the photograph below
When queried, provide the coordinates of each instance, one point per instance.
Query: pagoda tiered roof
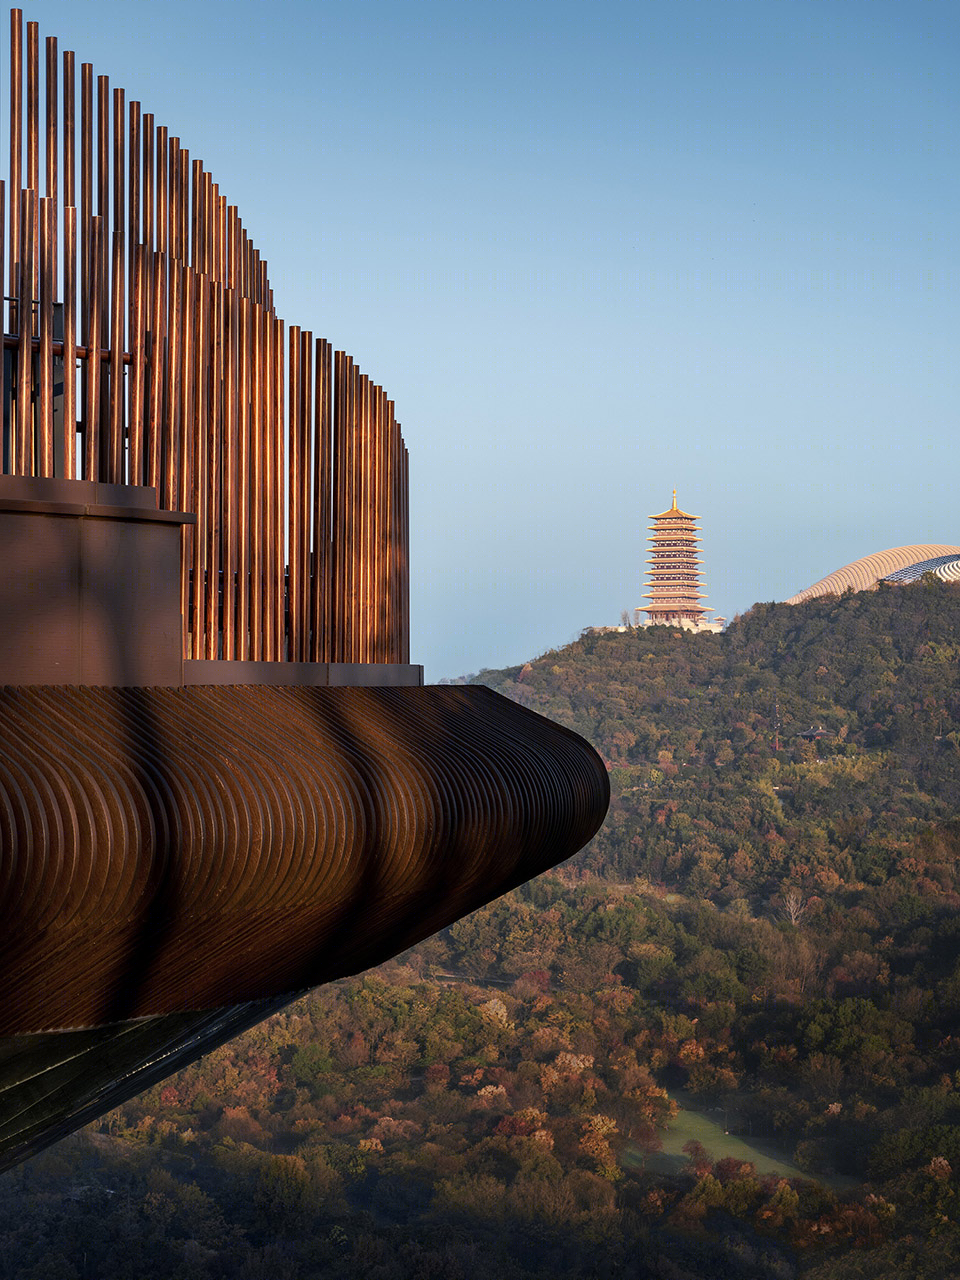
(673, 576)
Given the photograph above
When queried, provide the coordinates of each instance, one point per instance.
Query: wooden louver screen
(142, 347)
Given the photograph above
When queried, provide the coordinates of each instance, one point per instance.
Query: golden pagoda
(674, 573)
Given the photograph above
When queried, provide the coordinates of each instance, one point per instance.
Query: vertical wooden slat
(186, 387)
(153, 444)
(149, 188)
(389, 488)
(357, 482)
(230, 461)
(353, 513)
(306, 478)
(119, 160)
(91, 411)
(346, 510)
(295, 515)
(33, 135)
(257, 488)
(377, 477)
(270, 494)
(102, 300)
(23, 451)
(52, 185)
(363, 516)
(214, 433)
(85, 233)
(173, 198)
(201, 462)
(371, 526)
(243, 484)
(207, 214)
(187, 392)
(405, 562)
(372, 639)
(69, 130)
(115, 445)
(133, 203)
(280, 447)
(385, 612)
(336, 550)
(222, 238)
(397, 538)
(86, 189)
(230, 247)
(389, 557)
(3, 223)
(45, 465)
(136, 370)
(103, 151)
(171, 426)
(320, 586)
(33, 107)
(216, 271)
(163, 196)
(70, 341)
(183, 159)
(196, 216)
(69, 266)
(16, 156)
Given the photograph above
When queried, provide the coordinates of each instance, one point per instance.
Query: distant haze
(593, 252)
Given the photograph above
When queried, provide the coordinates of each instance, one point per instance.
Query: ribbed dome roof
(900, 564)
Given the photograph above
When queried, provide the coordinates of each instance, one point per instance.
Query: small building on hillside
(674, 574)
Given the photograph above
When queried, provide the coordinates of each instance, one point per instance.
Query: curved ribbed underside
(176, 856)
(863, 574)
(171, 849)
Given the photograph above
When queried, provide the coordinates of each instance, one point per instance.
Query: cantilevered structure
(221, 779)
(673, 578)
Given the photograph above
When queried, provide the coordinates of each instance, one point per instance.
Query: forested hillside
(689, 723)
(765, 931)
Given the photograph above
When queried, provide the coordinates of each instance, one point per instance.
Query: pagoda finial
(674, 507)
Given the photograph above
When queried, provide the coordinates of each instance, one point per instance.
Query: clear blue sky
(594, 251)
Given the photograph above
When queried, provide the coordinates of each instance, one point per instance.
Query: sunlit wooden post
(16, 155)
(23, 450)
(45, 466)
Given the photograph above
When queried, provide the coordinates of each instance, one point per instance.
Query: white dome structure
(899, 564)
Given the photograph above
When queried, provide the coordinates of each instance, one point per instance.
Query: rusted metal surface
(200, 847)
(134, 258)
